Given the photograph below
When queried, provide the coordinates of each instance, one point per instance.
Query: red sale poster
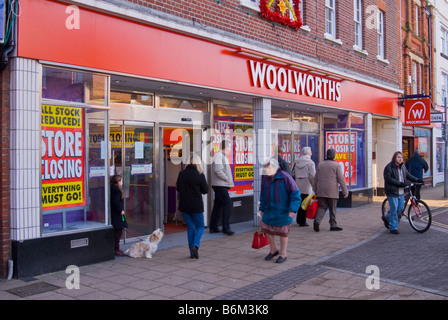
(345, 152)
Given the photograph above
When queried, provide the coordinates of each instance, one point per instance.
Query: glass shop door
(132, 157)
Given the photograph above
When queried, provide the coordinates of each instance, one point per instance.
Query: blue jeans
(396, 206)
(195, 228)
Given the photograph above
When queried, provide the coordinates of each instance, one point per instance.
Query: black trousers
(221, 209)
(118, 234)
(301, 214)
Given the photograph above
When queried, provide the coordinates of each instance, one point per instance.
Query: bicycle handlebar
(413, 184)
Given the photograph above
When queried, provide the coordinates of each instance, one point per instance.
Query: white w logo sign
(417, 113)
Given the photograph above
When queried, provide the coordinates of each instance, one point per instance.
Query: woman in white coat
(303, 172)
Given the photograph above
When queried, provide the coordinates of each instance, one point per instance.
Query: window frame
(330, 18)
(380, 36)
(358, 23)
(252, 4)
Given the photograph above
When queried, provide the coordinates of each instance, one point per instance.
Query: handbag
(260, 239)
(312, 209)
(307, 200)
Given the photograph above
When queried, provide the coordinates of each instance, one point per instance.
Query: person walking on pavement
(328, 176)
(191, 185)
(222, 181)
(279, 202)
(303, 172)
(395, 175)
(284, 166)
(117, 215)
(416, 165)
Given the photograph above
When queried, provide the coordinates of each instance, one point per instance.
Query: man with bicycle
(395, 175)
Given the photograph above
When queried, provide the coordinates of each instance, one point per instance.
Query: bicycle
(419, 214)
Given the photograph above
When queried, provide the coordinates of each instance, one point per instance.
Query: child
(117, 210)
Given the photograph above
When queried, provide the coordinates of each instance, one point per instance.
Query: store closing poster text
(345, 152)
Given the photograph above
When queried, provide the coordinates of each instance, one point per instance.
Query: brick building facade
(211, 51)
(417, 75)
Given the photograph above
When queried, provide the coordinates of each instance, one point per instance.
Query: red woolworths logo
(417, 112)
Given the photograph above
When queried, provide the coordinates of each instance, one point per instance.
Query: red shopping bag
(260, 240)
(312, 209)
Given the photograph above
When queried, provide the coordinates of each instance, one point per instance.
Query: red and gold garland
(277, 17)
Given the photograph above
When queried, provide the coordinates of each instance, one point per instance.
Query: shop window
(73, 168)
(308, 123)
(73, 86)
(345, 134)
(292, 144)
(440, 156)
(281, 114)
(73, 151)
(235, 124)
(183, 103)
(133, 98)
(422, 141)
(227, 112)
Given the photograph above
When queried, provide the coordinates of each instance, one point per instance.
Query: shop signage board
(436, 117)
(417, 112)
(210, 63)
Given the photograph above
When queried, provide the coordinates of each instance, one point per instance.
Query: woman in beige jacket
(303, 172)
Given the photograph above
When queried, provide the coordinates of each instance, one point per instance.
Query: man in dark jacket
(416, 165)
(395, 175)
(284, 166)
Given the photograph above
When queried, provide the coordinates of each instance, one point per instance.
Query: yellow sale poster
(63, 153)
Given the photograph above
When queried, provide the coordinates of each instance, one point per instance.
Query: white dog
(146, 248)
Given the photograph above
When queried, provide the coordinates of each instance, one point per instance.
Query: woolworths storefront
(90, 109)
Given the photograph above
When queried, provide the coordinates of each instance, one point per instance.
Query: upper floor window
(444, 38)
(253, 4)
(444, 89)
(414, 77)
(380, 35)
(417, 15)
(358, 23)
(330, 18)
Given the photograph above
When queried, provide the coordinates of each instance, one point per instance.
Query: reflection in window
(133, 98)
(183, 103)
(278, 113)
(73, 86)
(240, 112)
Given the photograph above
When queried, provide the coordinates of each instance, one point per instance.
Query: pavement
(362, 262)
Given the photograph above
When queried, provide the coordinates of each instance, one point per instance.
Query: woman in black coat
(118, 218)
(191, 185)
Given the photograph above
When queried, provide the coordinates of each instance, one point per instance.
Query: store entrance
(177, 144)
(132, 157)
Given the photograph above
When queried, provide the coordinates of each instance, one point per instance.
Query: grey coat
(328, 176)
(303, 172)
(221, 175)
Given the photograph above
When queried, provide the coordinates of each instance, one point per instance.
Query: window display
(346, 135)
(71, 197)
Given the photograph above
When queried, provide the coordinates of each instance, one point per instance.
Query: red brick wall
(4, 173)
(418, 44)
(230, 16)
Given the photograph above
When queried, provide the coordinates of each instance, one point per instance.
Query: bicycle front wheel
(419, 216)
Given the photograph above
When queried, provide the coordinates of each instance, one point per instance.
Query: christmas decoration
(281, 13)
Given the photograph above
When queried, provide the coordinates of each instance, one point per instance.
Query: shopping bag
(312, 209)
(260, 239)
(307, 200)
